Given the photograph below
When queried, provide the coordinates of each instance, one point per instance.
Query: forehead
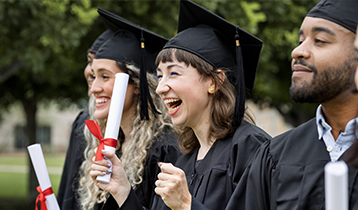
(104, 64)
(311, 23)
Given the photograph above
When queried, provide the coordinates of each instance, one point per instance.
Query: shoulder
(247, 139)
(165, 143)
(247, 132)
(308, 128)
(288, 142)
(81, 118)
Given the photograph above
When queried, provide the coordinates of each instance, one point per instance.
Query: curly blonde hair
(141, 138)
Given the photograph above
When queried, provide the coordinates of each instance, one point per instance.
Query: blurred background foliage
(44, 43)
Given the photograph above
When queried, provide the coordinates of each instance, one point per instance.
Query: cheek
(109, 88)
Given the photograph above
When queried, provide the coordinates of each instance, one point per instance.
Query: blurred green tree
(39, 62)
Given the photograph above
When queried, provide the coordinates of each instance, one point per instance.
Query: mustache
(303, 63)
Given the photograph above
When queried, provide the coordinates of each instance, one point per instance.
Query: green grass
(15, 185)
(50, 159)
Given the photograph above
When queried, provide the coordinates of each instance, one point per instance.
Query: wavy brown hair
(223, 103)
(140, 140)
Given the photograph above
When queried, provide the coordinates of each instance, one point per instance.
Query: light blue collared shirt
(344, 140)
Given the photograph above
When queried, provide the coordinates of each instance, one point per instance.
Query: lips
(299, 67)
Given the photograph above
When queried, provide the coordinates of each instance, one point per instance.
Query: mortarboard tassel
(240, 86)
(144, 90)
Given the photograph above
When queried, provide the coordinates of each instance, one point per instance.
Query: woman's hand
(172, 187)
(119, 185)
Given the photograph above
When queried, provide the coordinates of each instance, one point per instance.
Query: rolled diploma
(336, 185)
(38, 161)
(115, 115)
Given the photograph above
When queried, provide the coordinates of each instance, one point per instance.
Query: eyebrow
(318, 29)
(170, 66)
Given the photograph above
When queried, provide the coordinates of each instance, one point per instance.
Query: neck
(340, 110)
(205, 141)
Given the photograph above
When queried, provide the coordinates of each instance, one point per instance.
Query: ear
(212, 87)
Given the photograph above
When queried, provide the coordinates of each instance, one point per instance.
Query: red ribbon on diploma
(96, 131)
(42, 197)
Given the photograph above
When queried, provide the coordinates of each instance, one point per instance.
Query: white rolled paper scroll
(115, 115)
(336, 185)
(38, 161)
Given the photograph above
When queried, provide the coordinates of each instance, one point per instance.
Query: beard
(326, 84)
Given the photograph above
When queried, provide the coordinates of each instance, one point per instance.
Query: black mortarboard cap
(221, 44)
(101, 39)
(132, 43)
(341, 12)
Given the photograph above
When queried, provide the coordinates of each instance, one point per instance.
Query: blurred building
(54, 126)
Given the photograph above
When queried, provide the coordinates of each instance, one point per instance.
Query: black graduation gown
(66, 196)
(288, 173)
(165, 149)
(216, 177)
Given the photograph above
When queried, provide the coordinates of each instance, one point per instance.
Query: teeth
(167, 101)
(101, 100)
(171, 109)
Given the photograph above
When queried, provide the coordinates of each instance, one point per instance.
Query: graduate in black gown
(66, 195)
(147, 135)
(288, 171)
(199, 71)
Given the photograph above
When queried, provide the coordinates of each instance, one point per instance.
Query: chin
(100, 115)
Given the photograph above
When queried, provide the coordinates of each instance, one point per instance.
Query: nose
(162, 87)
(96, 87)
(301, 52)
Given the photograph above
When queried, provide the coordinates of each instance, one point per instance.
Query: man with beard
(288, 171)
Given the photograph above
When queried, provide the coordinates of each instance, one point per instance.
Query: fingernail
(108, 165)
(104, 173)
(109, 171)
(104, 151)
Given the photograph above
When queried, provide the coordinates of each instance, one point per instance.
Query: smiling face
(104, 72)
(185, 92)
(323, 61)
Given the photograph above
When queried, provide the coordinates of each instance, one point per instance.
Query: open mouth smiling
(172, 104)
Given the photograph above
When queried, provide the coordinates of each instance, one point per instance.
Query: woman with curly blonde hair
(145, 138)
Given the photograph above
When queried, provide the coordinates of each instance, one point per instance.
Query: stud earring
(211, 89)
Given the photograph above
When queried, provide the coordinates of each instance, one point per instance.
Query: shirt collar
(323, 126)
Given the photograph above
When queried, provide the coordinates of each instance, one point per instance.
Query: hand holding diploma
(119, 185)
(46, 196)
(113, 121)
